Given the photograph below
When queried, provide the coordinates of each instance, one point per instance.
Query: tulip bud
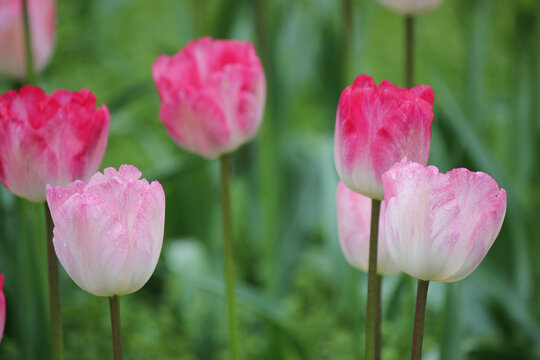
(42, 16)
(439, 227)
(108, 231)
(354, 220)
(212, 95)
(378, 126)
(2, 307)
(410, 7)
(49, 139)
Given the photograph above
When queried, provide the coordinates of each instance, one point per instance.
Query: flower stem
(420, 314)
(30, 71)
(409, 51)
(114, 304)
(54, 291)
(347, 11)
(229, 256)
(373, 312)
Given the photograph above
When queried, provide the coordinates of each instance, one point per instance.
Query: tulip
(51, 139)
(376, 127)
(2, 307)
(212, 95)
(353, 219)
(42, 21)
(410, 7)
(108, 231)
(439, 227)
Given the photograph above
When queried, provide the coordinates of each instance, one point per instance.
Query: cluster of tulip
(108, 227)
(432, 226)
(394, 213)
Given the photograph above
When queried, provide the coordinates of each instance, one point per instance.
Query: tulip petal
(378, 126)
(354, 222)
(109, 230)
(439, 227)
(90, 242)
(52, 139)
(212, 95)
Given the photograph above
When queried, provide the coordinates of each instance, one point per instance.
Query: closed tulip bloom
(212, 95)
(439, 227)
(49, 139)
(376, 126)
(354, 220)
(411, 7)
(42, 16)
(108, 231)
(2, 307)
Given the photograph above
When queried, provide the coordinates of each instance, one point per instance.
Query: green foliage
(298, 298)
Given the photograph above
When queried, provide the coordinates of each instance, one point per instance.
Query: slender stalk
(30, 72)
(409, 51)
(419, 315)
(347, 8)
(373, 317)
(54, 291)
(114, 304)
(378, 320)
(229, 256)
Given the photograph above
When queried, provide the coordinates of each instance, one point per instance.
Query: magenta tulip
(439, 227)
(378, 126)
(108, 231)
(2, 307)
(42, 16)
(354, 219)
(410, 7)
(212, 95)
(49, 139)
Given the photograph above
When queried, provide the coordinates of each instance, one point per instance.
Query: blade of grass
(254, 301)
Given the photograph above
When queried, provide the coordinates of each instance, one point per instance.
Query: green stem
(229, 255)
(54, 291)
(373, 317)
(378, 320)
(409, 51)
(347, 8)
(114, 304)
(419, 315)
(30, 72)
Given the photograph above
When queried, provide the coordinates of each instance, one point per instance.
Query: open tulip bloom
(212, 95)
(376, 126)
(439, 227)
(108, 231)
(49, 139)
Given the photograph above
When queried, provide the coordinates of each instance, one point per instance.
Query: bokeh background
(297, 296)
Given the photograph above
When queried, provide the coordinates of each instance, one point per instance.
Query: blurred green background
(298, 298)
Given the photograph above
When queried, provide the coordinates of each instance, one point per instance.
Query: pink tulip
(2, 307)
(376, 127)
(212, 95)
(411, 7)
(49, 139)
(42, 14)
(354, 220)
(440, 226)
(108, 231)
